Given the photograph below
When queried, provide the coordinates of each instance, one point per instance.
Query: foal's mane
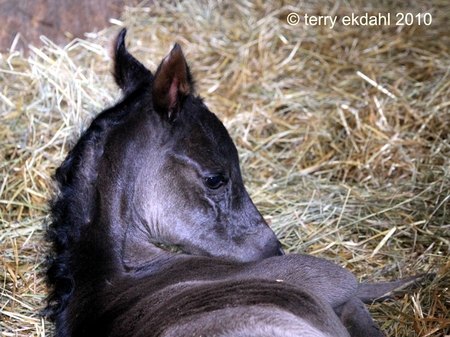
(74, 205)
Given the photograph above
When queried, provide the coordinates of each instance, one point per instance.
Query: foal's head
(171, 170)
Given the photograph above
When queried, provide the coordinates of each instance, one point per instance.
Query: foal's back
(219, 299)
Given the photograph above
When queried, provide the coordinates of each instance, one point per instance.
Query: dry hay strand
(342, 134)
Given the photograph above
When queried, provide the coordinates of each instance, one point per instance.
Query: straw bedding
(343, 135)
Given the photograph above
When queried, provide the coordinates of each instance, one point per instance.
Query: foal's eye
(215, 182)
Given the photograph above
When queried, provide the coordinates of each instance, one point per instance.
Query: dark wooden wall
(59, 20)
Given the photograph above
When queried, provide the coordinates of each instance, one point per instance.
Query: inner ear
(172, 84)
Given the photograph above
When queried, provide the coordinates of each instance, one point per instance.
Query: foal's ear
(172, 84)
(128, 72)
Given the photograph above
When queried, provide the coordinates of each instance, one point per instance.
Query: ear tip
(120, 42)
(123, 33)
(177, 49)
